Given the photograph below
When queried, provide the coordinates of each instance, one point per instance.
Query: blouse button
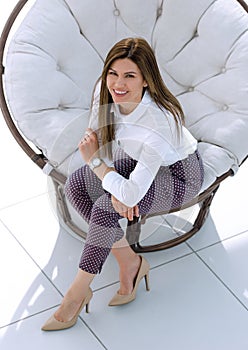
(117, 12)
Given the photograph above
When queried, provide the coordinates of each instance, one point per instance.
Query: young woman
(156, 166)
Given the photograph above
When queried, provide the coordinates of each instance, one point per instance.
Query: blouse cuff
(109, 179)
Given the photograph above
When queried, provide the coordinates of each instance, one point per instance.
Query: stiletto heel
(87, 309)
(143, 271)
(147, 280)
(52, 324)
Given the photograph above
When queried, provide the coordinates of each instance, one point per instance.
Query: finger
(130, 214)
(89, 133)
(119, 208)
(81, 142)
(123, 212)
(136, 211)
(86, 135)
(115, 204)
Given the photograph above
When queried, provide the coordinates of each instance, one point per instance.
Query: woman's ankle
(127, 276)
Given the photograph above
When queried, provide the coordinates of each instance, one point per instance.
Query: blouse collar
(134, 116)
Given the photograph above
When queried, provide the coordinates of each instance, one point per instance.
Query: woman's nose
(119, 81)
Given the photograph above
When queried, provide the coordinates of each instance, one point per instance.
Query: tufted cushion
(57, 54)
(48, 87)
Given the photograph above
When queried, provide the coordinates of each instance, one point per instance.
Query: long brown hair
(141, 53)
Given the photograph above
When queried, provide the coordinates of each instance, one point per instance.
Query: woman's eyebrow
(131, 72)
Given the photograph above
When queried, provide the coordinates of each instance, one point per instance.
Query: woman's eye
(130, 76)
(112, 73)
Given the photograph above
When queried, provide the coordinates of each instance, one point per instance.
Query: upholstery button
(223, 70)
(191, 89)
(225, 108)
(159, 11)
(61, 107)
(195, 34)
(58, 67)
(117, 12)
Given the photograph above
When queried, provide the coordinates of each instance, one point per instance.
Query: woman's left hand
(124, 210)
(89, 145)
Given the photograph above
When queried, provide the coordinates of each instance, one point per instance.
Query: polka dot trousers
(173, 186)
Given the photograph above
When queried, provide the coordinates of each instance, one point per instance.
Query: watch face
(96, 162)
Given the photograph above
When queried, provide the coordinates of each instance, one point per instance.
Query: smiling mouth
(120, 93)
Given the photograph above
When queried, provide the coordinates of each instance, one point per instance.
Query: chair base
(133, 230)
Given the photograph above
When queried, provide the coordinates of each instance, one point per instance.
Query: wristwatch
(95, 163)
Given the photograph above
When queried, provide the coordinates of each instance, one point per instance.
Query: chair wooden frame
(134, 227)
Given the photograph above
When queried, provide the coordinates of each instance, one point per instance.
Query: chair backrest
(57, 54)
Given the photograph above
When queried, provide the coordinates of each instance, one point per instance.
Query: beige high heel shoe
(143, 271)
(52, 324)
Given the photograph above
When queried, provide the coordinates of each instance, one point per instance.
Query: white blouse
(148, 135)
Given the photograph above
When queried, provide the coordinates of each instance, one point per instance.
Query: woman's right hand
(89, 145)
(124, 210)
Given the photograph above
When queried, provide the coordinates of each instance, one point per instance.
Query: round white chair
(53, 60)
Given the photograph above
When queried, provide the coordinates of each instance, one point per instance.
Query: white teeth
(120, 92)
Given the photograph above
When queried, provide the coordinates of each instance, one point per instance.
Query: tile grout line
(92, 332)
(172, 260)
(27, 317)
(50, 308)
(215, 274)
(223, 283)
(24, 201)
(218, 242)
(48, 278)
(30, 256)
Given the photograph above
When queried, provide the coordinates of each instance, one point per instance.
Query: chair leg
(134, 229)
(64, 211)
(133, 232)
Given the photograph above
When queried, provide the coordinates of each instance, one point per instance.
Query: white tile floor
(199, 290)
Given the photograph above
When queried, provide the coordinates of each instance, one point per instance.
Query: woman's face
(125, 84)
